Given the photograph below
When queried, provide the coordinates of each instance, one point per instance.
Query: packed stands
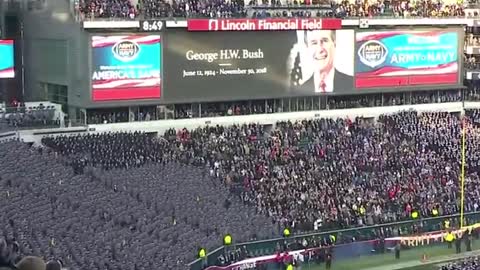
(110, 151)
(106, 9)
(367, 9)
(336, 151)
(141, 201)
(289, 146)
(106, 200)
(96, 220)
(125, 9)
(206, 9)
(472, 263)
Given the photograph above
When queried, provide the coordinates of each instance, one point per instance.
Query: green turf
(386, 259)
(423, 267)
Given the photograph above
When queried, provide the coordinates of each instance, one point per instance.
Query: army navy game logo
(126, 50)
(373, 53)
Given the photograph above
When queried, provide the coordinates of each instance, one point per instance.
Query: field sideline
(410, 259)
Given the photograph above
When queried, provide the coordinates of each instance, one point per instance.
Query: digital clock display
(151, 25)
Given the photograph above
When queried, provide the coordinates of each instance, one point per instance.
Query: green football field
(388, 261)
(423, 267)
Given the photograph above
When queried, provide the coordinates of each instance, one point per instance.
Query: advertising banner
(214, 66)
(346, 250)
(7, 62)
(406, 58)
(272, 24)
(126, 67)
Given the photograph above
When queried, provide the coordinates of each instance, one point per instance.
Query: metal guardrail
(428, 224)
(5, 136)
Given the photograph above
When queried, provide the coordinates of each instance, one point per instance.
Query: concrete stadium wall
(161, 126)
(56, 50)
(270, 119)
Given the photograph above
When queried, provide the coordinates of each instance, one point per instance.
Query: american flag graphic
(102, 41)
(145, 81)
(125, 83)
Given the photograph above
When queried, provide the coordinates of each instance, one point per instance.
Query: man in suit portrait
(312, 64)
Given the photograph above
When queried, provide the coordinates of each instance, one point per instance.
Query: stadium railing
(35, 115)
(352, 242)
(80, 17)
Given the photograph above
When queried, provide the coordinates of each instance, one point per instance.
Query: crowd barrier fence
(352, 243)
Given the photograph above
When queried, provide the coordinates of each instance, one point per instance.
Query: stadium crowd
(108, 219)
(90, 9)
(106, 9)
(355, 160)
(104, 201)
(261, 106)
(334, 151)
(471, 62)
(472, 40)
(32, 117)
(472, 263)
(306, 151)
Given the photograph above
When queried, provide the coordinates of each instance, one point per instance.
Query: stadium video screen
(126, 67)
(220, 66)
(7, 62)
(406, 58)
(245, 65)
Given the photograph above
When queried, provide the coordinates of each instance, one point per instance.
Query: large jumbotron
(232, 135)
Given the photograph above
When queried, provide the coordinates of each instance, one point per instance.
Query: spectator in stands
(8, 253)
(109, 151)
(238, 8)
(471, 62)
(112, 219)
(307, 151)
(29, 117)
(54, 265)
(137, 196)
(472, 263)
(90, 9)
(31, 263)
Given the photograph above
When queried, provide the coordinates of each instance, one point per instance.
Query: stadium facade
(162, 64)
(159, 64)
